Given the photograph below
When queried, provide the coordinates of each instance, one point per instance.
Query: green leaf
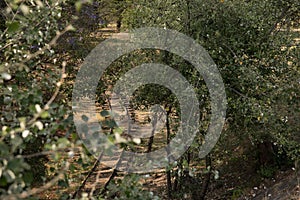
(118, 130)
(15, 165)
(9, 175)
(24, 9)
(3, 181)
(63, 183)
(78, 5)
(216, 174)
(104, 113)
(13, 27)
(72, 168)
(112, 124)
(63, 142)
(28, 177)
(16, 142)
(85, 118)
(44, 114)
(4, 149)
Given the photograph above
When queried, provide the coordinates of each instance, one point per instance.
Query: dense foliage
(252, 43)
(33, 112)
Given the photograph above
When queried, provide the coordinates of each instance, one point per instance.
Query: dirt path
(137, 127)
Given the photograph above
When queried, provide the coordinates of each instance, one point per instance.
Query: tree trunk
(169, 182)
(206, 180)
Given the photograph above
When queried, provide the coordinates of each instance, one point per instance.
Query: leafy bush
(129, 188)
(32, 117)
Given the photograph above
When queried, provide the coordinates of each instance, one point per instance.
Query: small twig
(8, 44)
(206, 180)
(46, 107)
(14, 16)
(88, 176)
(239, 93)
(156, 118)
(169, 177)
(45, 153)
(113, 174)
(281, 17)
(47, 46)
(234, 54)
(283, 14)
(58, 85)
(97, 181)
(33, 191)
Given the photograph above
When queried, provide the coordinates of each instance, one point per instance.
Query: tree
(252, 44)
(32, 117)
